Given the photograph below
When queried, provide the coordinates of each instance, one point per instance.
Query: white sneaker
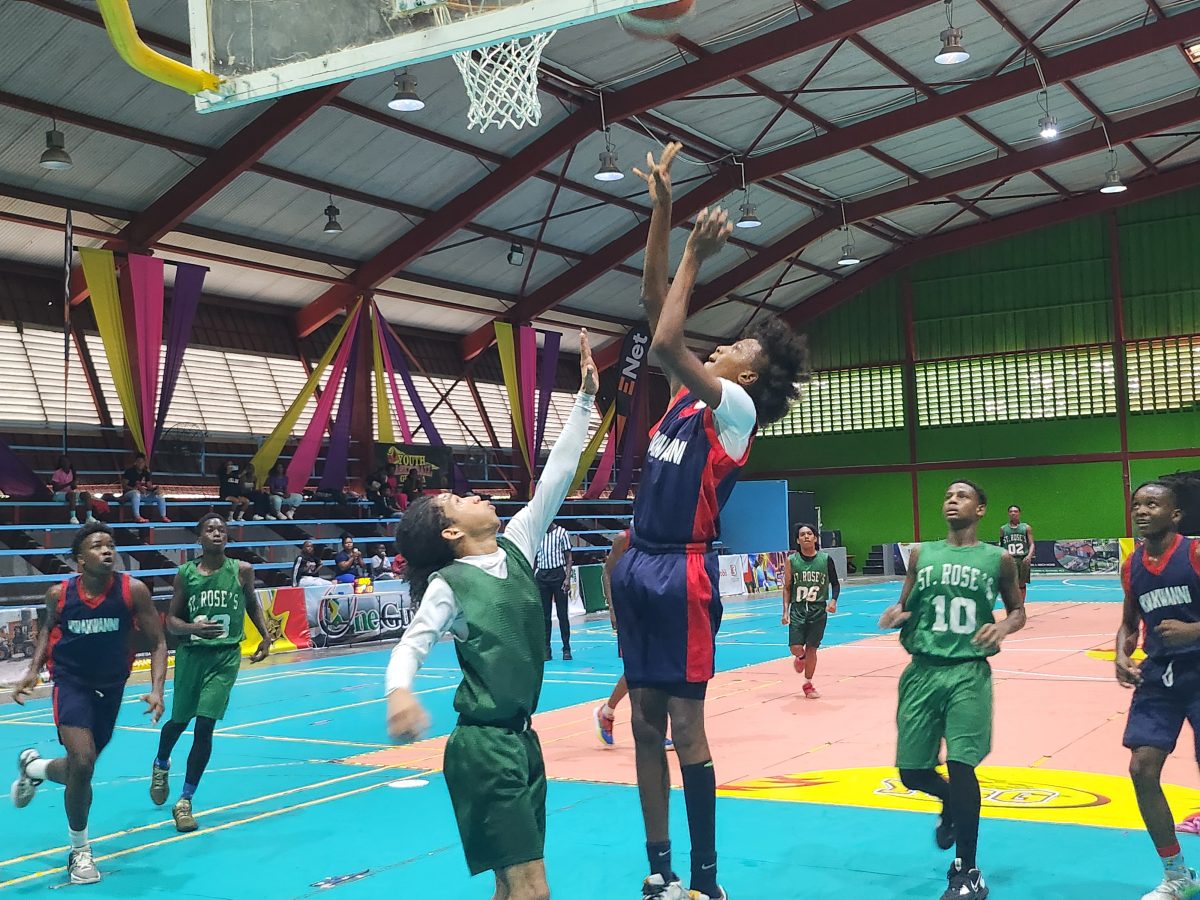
(25, 787)
(74, 520)
(696, 895)
(256, 518)
(658, 888)
(1175, 886)
(82, 867)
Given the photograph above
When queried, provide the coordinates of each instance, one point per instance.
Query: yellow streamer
(508, 363)
(593, 446)
(383, 400)
(101, 274)
(269, 452)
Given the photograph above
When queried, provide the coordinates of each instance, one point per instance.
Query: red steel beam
(987, 232)
(679, 82)
(1162, 119)
(952, 104)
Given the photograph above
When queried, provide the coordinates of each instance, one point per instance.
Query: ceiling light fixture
(1112, 178)
(848, 257)
(332, 225)
(749, 218)
(516, 254)
(609, 170)
(1192, 48)
(1047, 124)
(407, 99)
(952, 52)
(55, 156)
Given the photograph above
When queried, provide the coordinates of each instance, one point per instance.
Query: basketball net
(502, 83)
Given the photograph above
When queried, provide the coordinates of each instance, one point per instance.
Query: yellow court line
(203, 831)
(317, 712)
(218, 809)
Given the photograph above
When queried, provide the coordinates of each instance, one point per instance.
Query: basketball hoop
(502, 83)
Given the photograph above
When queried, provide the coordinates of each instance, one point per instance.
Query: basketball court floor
(305, 794)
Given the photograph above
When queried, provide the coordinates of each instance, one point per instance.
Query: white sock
(37, 769)
(607, 712)
(79, 839)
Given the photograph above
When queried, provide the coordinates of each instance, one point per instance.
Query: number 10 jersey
(955, 593)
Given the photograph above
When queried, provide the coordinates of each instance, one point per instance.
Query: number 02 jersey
(954, 595)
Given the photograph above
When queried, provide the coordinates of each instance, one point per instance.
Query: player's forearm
(158, 665)
(668, 337)
(434, 618)
(654, 271)
(1014, 621)
(260, 621)
(177, 626)
(1126, 639)
(40, 654)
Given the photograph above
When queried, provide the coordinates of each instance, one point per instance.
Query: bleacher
(35, 536)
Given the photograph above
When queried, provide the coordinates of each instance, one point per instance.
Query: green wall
(1040, 291)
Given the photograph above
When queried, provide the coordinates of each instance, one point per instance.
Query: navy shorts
(1168, 695)
(668, 608)
(80, 706)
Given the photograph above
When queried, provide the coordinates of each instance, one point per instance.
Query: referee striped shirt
(552, 552)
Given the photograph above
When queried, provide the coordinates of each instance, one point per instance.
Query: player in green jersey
(946, 622)
(213, 595)
(1017, 538)
(809, 579)
(478, 585)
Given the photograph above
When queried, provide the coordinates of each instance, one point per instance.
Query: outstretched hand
(658, 174)
(589, 379)
(710, 233)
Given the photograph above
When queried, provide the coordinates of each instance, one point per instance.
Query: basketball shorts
(949, 701)
(668, 608)
(806, 624)
(204, 679)
(1023, 570)
(82, 706)
(1169, 694)
(497, 783)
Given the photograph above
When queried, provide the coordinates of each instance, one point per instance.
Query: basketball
(657, 22)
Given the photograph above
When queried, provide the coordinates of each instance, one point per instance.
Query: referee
(552, 572)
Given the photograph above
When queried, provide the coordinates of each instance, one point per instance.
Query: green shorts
(497, 783)
(806, 624)
(204, 679)
(1024, 565)
(950, 700)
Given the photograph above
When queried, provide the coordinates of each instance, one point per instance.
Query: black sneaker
(944, 833)
(567, 653)
(965, 885)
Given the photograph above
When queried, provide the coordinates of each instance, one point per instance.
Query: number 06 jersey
(954, 595)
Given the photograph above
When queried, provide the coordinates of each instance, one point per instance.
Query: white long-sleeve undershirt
(439, 611)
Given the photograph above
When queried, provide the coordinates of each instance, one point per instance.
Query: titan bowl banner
(433, 464)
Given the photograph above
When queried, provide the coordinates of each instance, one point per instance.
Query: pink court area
(1058, 709)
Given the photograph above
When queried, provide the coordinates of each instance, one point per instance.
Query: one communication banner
(433, 464)
(338, 617)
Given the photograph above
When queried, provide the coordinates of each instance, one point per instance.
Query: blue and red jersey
(92, 639)
(686, 478)
(1167, 588)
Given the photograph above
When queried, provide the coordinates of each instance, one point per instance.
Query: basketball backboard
(265, 48)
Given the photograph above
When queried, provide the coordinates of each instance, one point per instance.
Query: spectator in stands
(137, 486)
(399, 567)
(248, 482)
(62, 483)
(349, 561)
(283, 503)
(380, 565)
(306, 571)
(379, 493)
(414, 484)
(231, 491)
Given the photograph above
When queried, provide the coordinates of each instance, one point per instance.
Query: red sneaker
(810, 692)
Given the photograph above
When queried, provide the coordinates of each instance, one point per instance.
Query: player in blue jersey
(666, 586)
(1162, 596)
(87, 643)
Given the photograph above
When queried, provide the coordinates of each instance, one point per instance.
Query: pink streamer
(146, 280)
(405, 431)
(527, 385)
(305, 458)
(604, 470)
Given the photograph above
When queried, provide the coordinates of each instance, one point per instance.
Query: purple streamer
(17, 479)
(458, 478)
(333, 478)
(549, 368)
(185, 300)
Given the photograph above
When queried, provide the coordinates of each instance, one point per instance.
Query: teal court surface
(294, 797)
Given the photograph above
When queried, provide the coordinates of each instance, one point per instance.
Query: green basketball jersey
(504, 654)
(810, 578)
(954, 595)
(1015, 539)
(219, 597)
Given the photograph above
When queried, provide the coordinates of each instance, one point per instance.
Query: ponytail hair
(419, 540)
